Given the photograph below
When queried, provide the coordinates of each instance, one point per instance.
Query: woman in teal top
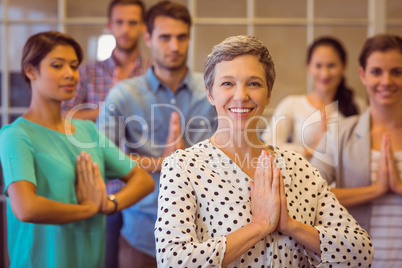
(54, 168)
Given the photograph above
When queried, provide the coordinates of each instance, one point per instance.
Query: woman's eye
(255, 84)
(226, 84)
(57, 66)
(375, 72)
(74, 67)
(331, 65)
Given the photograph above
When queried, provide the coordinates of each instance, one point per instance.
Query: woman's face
(383, 77)
(58, 75)
(326, 69)
(239, 92)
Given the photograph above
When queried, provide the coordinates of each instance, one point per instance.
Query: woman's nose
(386, 79)
(240, 93)
(69, 72)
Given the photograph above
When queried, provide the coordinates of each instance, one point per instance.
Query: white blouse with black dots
(205, 196)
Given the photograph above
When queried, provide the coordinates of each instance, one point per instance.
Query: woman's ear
(210, 98)
(31, 72)
(268, 98)
(361, 74)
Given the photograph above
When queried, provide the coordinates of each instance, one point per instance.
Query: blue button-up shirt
(136, 114)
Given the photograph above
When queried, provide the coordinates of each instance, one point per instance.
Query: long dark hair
(344, 95)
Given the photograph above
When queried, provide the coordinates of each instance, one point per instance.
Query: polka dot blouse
(205, 196)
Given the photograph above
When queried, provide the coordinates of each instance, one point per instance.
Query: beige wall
(284, 25)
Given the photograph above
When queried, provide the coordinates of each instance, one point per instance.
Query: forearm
(305, 234)
(138, 184)
(45, 211)
(238, 242)
(27, 206)
(350, 197)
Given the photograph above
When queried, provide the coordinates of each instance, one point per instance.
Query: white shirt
(204, 196)
(296, 124)
(386, 220)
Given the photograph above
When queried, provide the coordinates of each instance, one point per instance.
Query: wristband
(113, 198)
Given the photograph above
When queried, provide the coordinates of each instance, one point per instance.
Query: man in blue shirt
(155, 114)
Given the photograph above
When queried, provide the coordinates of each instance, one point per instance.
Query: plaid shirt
(96, 79)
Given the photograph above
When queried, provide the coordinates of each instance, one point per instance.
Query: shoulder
(289, 156)
(133, 84)
(294, 98)
(17, 127)
(291, 101)
(196, 76)
(17, 131)
(127, 90)
(295, 166)
(348, 124)
(290, 105)
(293, 161)
(197, 151)
(361, 103)
(196, 82)
(90, 67)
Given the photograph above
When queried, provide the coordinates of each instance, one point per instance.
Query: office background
(286, 26)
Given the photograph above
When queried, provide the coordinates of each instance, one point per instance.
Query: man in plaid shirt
(126, 23)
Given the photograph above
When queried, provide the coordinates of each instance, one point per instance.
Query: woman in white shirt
(299, 121)
(364, 158)
(232, 201)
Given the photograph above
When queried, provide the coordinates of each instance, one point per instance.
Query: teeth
(240, 111)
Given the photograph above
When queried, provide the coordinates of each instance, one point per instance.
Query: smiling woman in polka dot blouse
(232, 201)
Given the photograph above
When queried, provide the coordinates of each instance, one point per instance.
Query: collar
(111, 62)
(158, 85)
(363, 124)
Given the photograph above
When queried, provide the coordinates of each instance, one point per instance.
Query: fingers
(80, 172)
(276, 182)
(174, 132)
(264, 175)
(282, 189)
(174, 118)
(383, 152)
(261, 172)
(387, 147)
(84, 169)
(101, 184)
(174, 127)
(96, 172)
(88, 169)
